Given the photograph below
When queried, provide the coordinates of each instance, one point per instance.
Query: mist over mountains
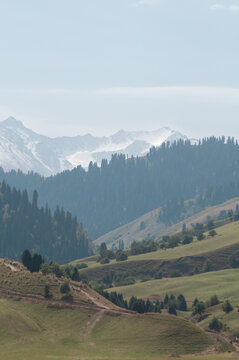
(21, 148)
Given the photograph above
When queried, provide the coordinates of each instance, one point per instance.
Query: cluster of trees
(36, 263)
(173, 303)
(32, 263)
(139, 305)
(199, 307)
(112, 278)
(23, 225)
(121, 190)
(66, 271)
(186, 236)
(143, 247)
(107, 255)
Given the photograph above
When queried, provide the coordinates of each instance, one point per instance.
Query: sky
(72, 67)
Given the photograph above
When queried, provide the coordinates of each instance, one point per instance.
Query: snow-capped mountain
(21, 148)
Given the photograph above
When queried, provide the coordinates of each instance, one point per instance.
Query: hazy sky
(76, 66)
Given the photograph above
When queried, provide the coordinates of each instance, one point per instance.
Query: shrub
(199, 308)
(227, 307)
(47, 293)
(213, 301)
(212, 233)
(81, 266)
(215, 324)
(172, 308)
(121, 255)
(143, 247)
(105, 261)
(200, 236)
(210, 225)
(45, 269)
(55, 268)
(187, 239)
(65, 288)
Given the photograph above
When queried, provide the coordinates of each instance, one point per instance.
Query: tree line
(57, 236)
(120, 190)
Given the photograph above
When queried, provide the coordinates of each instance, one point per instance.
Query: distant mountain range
(21, 148)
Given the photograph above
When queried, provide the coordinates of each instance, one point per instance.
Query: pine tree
(27, 259)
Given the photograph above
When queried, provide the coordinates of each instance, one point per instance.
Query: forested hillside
(121, 190)
(23, 225)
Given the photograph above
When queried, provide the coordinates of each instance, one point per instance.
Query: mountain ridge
(25, 150)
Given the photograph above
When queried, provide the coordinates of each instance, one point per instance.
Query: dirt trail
(12, 267)
(96, 318)
(223, 339)
(92, 298)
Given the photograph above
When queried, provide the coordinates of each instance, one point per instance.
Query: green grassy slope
(224, 283)
(36, 332)
(226, 235)
(183, 257)
(131, 231)
(89, 327)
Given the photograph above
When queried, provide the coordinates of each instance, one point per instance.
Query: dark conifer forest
(108, 196)
(23, 225)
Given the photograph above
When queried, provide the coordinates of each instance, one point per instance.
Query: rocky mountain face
(21, 148)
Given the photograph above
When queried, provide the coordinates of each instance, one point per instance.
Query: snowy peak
(21, 148)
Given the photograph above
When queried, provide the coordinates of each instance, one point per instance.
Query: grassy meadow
(36, 332)
(227, 235)
(224, 283)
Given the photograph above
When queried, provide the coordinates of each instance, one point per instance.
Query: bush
(173, 241)
(187, 239)
(81, 266)
(125, 281)
(213, 301)
(200, 236)
(121, 255)
(45, 269)
(47, 293)
(210, 225)
(56, 269)
(212, 233)
(143, 247)
(226, 307)
(172, 308)
(199, 308)
(65, 288)
(215, 324)
(105, 261)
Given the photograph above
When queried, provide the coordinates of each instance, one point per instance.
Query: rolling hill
(183, 258)
(149, 225)
(87, 327)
